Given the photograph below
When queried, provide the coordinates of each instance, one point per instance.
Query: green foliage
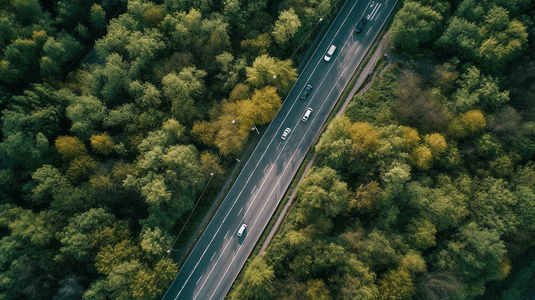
(484, 33)
(286, 26)
(475, 253)
(97, 17)
(86, 113)
(414, 25)
(477, 90)
(267, 70)
(182, 90)
(256, 282)
(321, 194)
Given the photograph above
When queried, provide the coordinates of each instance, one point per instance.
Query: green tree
(381, 252)
(19, 62)
(321, 193)
(182, 90)
(154, 242)
(63, 49)
(97, 17)
(422, 234)
(474, 253)
(87, 232)
(257, 282)
(25, 152)
(86, 114)
(49, 68)
(286, 26)
(231, 71)
(334, 147)
(149, 282)
(110, 81)
(477, 90)
(110, 256)
(28, 11)
(413, 26)
(318, 290)
(267, 70)
(492, 206)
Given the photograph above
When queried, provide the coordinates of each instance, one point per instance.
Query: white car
(329, 53)
(307, 114)
(286, 133)
(242, 229)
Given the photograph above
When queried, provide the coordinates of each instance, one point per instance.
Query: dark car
(359, 26)
(305, 92)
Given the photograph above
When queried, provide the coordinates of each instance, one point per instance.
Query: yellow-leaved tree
(102, 143)
(364, 137)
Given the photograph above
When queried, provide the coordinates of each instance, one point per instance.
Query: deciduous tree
(257, 282)
(413, 26)
(102, 143)
(286, 26)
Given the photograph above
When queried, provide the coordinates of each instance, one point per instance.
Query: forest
(425, 188)
(101, 162)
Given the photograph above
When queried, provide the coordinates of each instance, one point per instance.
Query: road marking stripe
(198, 280)
(357, 50)
(374, 11)
(253, 189)
(265, 168)
(213, 256)
(240, 211)
(369, 30)
(217, 261)
(226, 234)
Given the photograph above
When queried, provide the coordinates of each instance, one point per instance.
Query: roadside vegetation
(425, 187)
(100, 164)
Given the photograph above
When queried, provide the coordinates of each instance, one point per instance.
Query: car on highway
(242, 229)
(286, 133)
(360, 24)
(307, 114)
(305, 92)
(329, 53)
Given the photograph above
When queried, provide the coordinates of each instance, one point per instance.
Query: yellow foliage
(364, 136)
(365, 197)
(468, 123)
(473, 121)
(239, 92)
(205, 132)
(436, 142)
(80, 167)
(102, 143)
(504, 268)
(111, 256)
(101, 182)
(421, 157)
(413, 263)
(39, 37)
(70, 147)
(396, 285)
(318, 290)
(411, 138)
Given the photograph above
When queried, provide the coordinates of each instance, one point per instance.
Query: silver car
(286, 133)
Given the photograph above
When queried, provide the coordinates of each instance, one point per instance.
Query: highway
(220, 254)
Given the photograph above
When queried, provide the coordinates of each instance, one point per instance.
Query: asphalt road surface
(219, 255)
